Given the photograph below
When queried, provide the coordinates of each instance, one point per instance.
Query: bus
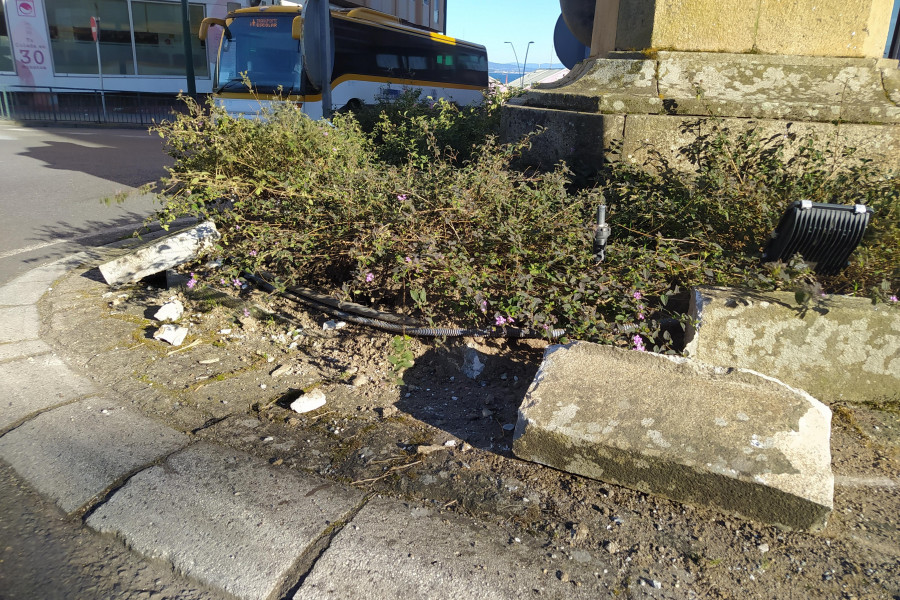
(377, 57)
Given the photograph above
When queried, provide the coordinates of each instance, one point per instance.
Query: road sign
(95, 27)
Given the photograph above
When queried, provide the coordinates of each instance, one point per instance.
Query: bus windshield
(259, 46)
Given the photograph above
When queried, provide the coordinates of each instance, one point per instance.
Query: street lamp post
(514, 54)
(525, 64)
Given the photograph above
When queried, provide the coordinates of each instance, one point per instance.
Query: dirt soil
(444, 439)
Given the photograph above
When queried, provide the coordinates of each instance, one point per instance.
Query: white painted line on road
(75, 238)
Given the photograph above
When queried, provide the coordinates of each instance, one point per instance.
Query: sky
(493, 22)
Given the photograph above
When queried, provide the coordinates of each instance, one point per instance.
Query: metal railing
(73, 105)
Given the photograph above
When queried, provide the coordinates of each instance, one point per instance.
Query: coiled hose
(389, 322)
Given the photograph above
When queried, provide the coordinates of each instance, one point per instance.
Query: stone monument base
(615, 108)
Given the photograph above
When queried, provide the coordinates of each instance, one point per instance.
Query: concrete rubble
(170, 311)
(159, 255)
(171, 333)
(731, 439)
(309, 401)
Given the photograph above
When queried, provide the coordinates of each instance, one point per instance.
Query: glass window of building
(73, 45)
(159, 41)
(6, 60)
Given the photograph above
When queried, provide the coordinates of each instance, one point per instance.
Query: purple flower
(402, 197)
(637, 295)
(246, 312)
(893, 298)
(192, 282)
(484, 306)
(369, 277)
(641, 316)
(638, 343)
(408, 259)
(222, 281)
(500, 321)
(236, 283)
(253, 253)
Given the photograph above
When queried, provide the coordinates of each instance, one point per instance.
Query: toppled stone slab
(838, 348)
(76, 452)
(161, 254)
(731, 439)
(395, 550)
(226, 518)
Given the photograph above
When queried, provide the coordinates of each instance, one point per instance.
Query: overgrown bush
(422, 211)
(412, 128)
(723, 212)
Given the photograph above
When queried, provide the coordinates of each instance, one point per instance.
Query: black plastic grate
(823, 234)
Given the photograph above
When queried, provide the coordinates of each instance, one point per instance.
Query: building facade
(50, 44)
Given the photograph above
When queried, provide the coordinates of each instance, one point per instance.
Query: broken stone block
(170, 311)
(730, 439)
(161, 254)
(171, 334)
(309, 401)
(836, 348)
(473, 362)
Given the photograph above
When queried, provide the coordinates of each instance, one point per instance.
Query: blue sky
(493, 22)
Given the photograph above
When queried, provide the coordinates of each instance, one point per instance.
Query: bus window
(418, 63)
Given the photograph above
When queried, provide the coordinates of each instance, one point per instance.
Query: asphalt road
(54, 181)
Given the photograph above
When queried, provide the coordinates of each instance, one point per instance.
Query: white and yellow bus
(376, 57)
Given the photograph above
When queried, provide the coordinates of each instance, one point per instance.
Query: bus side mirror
(204, 26)
(297, 28)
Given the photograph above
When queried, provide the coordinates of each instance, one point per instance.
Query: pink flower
(408, 259)
(484, 306)
(402, 197)
(192, 282)
(893, 298)
(236, 283)
(253, 253)
(637, 295)
(246, 312)
(222, 281)
(369, 277)
(501, 321)
(638, 343)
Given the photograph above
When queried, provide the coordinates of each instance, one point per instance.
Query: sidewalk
(229, 519)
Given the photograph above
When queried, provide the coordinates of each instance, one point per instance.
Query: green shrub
(411, 128)
(723, 212)
(422, 210)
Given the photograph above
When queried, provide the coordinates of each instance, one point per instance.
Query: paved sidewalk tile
(75, 452)
(19, 323)
(15, 350)
(392, 550)
(33, 384)
(29, 288)
(225, 518)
